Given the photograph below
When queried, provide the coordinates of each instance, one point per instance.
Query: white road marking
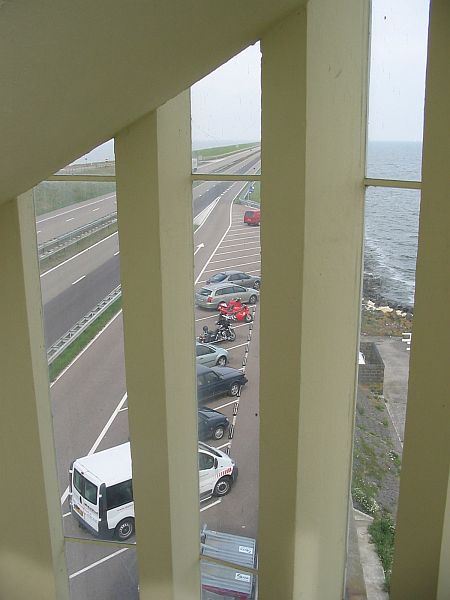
(71, 219)
(228, 267)
(73, 209)
(79, 279)
(98, 562)
(234, 244)
(221, 240)
(204, 318)
(213, 262)
(220, 447)
(94, 209)
(97, 442)
(238, 236)
(199, 247)
(40, 231)
(227, 404)
(116, 253)
(66, 515)
(123, 409)
(238, 250)
(77, 255)
(210, 505)
(238, 346)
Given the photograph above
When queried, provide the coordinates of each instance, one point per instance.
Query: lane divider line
(77, 255)
(79, 279)
(73, 209)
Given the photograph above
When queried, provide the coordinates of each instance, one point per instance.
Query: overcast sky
(226, 105)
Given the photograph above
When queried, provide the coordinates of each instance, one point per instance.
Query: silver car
(210, 356)
(210, 296)
(236, 277)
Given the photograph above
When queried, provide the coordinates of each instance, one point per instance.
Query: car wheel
(248, 318)
(221, 361)
(124, 529)
(253, 299)
(234, 388)
(223, 486)
(257, 285)
(219, 432)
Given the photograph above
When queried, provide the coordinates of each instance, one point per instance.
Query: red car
(252, 217)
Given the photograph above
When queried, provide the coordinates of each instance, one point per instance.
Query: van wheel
(223, 486)
(124, 529)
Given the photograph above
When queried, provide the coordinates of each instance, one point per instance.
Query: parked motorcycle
(223, 332)
(236, 310)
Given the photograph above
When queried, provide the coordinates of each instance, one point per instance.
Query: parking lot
(239, 249)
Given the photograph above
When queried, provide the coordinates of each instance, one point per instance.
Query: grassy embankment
(220, 151)
(64, 359)
(376, 464)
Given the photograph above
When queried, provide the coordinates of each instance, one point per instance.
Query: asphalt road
(74, 287)
(90, 412)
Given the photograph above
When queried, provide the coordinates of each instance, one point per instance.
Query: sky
(226, 105)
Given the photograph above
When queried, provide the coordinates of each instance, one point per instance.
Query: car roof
(216, 286)
(202, 369)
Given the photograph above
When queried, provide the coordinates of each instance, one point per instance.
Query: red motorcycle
(236, 311)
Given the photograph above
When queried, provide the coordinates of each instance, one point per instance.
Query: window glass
(391, 232)
(205, 461)
(397, 88)
(117, 495)
(226, 117)
(99, 161)
(79, 252)
(233, 510)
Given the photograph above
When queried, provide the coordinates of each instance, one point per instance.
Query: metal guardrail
(72, 237)
(59, 346)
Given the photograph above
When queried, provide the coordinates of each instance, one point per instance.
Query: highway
(74, 287)
(90, 410)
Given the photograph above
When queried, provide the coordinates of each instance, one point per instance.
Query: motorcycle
(236, 310)
(223, 333)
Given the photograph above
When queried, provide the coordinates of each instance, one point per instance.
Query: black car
(218, 381)
(211, 424)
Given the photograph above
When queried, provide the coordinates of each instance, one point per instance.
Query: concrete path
(371, 565)
(396, 371)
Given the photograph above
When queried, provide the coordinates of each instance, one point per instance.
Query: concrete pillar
(32, 563)
(422, 535)
(153, 166)
(313, 122)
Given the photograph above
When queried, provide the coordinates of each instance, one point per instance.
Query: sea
(391, 224)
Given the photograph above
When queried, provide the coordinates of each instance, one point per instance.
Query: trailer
(220, 582)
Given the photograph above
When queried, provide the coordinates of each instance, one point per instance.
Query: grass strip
(219, 151)
(66, 357)
(382, 533)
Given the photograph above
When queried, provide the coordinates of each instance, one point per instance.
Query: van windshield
(85, 487)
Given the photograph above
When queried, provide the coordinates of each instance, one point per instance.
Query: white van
(101, 490)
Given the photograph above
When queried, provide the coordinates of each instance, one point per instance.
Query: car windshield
(218, 277)
(204, 292)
